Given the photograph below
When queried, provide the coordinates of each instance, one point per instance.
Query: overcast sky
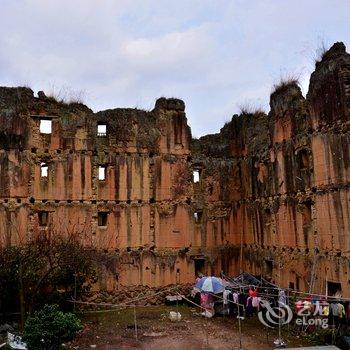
(214, 54)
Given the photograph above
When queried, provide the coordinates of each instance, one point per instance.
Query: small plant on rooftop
(250, 109)
(320, 52)
(285, 84)
(66, 95)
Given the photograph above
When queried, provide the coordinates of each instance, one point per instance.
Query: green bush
(49, 328)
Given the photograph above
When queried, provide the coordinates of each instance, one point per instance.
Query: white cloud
(173, 48)
(214, 54)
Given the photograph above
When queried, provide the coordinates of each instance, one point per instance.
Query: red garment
(348, 312)
(253, 293)
(204, 298)
(207, 302)
(299, 305)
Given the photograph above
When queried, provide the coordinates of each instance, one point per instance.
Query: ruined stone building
(269, 194)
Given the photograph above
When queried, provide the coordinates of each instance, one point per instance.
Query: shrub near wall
(49, 328)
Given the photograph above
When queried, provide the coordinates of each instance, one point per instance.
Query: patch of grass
(249, 108)
(285, 84)
(320, 52)
(66, 95)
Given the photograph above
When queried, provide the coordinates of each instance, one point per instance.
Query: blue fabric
(210, 285)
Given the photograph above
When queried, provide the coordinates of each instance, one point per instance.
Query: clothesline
(335, 298)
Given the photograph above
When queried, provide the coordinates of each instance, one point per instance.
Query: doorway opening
(199, 266)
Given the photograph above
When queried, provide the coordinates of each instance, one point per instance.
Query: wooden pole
(177, 297)
(135, 322)
(279, 290)
(239, 324)
(75, 290)
(21, 295)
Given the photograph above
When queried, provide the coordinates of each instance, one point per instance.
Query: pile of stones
(132, 295)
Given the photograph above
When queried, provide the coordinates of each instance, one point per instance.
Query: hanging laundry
(253, 292)
(242, 299)
(256, 302)
(225, 295)
(282, 297)
(235, 297)
(232, 304)
(249, 307)
(335, 309)
(207, 302)
(341, 309)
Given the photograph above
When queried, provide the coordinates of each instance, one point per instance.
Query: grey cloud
(213, 54)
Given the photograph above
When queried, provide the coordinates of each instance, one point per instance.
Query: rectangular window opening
(198, 216)
(44, 170)
(45, 126)
(102, 218)
(102, 173)
(307, 213)
(43, 217)
(303, 159)
(101, 130)
(268, 267)
(199, 266)
(196, 175)
(334, 288)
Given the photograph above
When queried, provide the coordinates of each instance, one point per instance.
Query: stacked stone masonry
(272, 198)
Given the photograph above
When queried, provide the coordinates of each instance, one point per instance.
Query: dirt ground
(116, 330)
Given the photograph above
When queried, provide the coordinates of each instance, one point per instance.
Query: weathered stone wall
(144, 193)
(279, 183)
(272, 198)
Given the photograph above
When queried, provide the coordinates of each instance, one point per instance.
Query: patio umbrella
(210, 284)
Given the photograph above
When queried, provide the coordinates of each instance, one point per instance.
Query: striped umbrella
(210, 285)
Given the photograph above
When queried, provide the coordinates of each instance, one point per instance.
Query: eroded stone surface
(275, 185)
